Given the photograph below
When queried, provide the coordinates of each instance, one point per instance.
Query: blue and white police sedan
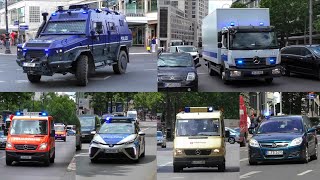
(118, 138)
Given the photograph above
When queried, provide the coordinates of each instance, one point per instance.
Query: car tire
(306, 155)
(177, 168)
(222, 167)
(34, 78)
(269, 80)
(251, 162)
(65, 139)
(53, 157)
(163, 146)
(121, 66)
(82, 70)
(144, 152)
(47, 160)
(195, 88)
(315, 156)
(8, 162)
(231, 140)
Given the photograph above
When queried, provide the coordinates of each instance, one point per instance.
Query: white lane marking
(247, 175)
(82, 154)
(72, 165)
(140, 53)
(2, 81)
(150, 69)
(19, 69)
(244, 159)
(100, 79)
(178, 178)
(145, 129)
(22, 81)
(305, 172)
(162, 165)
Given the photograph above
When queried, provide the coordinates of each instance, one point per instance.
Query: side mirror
(219, 45)
(141, 133)
(198, 65)
(93, 132)
(311, 130)
(52, 133)
(219, 36)
(227, 134)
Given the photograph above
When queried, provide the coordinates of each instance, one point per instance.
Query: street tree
(238, 5)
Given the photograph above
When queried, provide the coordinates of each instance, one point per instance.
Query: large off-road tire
(121, 66)
(34, 78)
(82, 70)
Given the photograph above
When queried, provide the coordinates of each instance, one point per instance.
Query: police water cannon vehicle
(240, 44)
(77, 40)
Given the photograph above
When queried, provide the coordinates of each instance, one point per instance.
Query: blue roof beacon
(77, 40)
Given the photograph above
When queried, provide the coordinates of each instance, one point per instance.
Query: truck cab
(240, 44)
(199, 139)
(60, 131)
(31, 138)
(77, 40)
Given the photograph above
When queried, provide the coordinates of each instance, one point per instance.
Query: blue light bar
(43, 114)
(46, 50)
(187, 109)
(54, 14)
(272, 60)
(232, 24)
(240, 62)
(210, 109)
(18, 113)
(24, 49)
(261, 24)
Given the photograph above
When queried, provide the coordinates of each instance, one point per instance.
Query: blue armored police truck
(78, 41)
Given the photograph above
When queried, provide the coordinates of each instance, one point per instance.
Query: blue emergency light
(232, 24)
(240, 61)
(272, 60)
(261, 24)
(43, 114)
(18, 113)
(85, 12)
(187, 109)
(210, 109)
(54, 14)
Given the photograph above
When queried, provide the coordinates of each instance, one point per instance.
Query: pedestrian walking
(153, 44)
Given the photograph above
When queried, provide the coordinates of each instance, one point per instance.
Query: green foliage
(291, 102)
(317, 24)
(238, 5)
(13, 100)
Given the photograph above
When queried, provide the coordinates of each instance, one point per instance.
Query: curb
(72, 165)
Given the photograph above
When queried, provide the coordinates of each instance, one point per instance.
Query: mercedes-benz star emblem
(25, 147)
(172, 78)
(256, 60)
(198, 152)
(274, 145)
(110, 145)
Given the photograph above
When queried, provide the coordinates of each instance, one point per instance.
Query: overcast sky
(214, 4)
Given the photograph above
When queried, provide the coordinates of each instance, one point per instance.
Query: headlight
(9, 145)
(191, 76)
(179, 151)
(19, 50)
(43, 146)
(296, 141)
(276, 71)
(253, 143)
(216, 150)
(235, 73)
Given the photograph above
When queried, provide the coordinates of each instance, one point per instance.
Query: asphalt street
(120, 169)
(141, 76)
(294, 83)
(32, 171)
(283, 171)
(165, 169)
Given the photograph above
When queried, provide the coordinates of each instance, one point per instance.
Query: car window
(292, 51)
(281, 125)
(305, 52)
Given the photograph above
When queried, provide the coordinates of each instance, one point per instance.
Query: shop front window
(135, 8)
(138, 35)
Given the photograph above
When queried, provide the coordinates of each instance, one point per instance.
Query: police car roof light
(43, 114)
(18, 113)
(85, 12)
(210, 109)
(261, 24)
(187, 109)
(54, 14)
(232, 24)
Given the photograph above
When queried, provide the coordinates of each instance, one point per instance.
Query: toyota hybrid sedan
(283, 138)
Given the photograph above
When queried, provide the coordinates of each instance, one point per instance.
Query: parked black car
(301, 59)
(177, 71)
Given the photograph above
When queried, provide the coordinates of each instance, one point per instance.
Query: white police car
(118, 138)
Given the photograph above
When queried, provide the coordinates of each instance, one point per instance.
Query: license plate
(173, 85)
(274, 153)
(25, 157)
(29, 64)
(198, 162)
(111, 151)
(257, 72)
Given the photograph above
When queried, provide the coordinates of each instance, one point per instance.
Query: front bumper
(45, 67)
(199, 161)
(99, 151)
(35, 156)
(184, 86)
(289, 154)
(247, 74)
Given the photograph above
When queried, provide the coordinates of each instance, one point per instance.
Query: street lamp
(8, 51)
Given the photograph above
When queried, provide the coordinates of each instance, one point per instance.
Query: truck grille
(173, 78)
(197, 152)
(35, 53)
(249, 63)
(38, 45)
(25, 147)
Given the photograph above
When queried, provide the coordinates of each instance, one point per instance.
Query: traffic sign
(24, 27)
(16, 23)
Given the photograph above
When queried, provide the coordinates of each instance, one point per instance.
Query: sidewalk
(12, 48)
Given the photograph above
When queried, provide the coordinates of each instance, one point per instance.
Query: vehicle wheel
(243, 143)
(285, 70)
(164, 146)
(222, 167)
(269, 80)
(47, 161)
(231, 140)
(177, 168)
(34, 78)
(8, 162)
(223, 77)
(210, 71)
(251, 162)
(53, 157)
(82, 70)
(306, 156)
(121, 66)
(315, 156)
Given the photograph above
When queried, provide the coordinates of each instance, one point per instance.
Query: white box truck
(240, 44)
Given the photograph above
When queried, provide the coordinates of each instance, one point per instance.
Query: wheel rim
(307, 154)
(123, 62)
(231, 140)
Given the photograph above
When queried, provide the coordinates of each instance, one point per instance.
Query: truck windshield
(87, 122)
(65, 27)
(253, 40)
(281, 125)
(59, 128)
(198, 127)
(32, 127)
